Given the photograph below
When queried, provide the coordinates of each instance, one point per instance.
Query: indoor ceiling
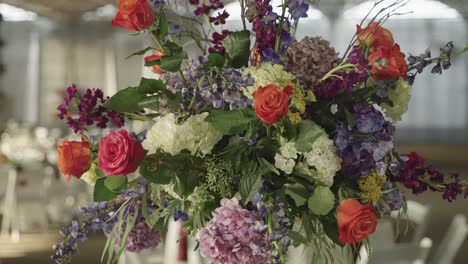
(59, 9)
(69, 9)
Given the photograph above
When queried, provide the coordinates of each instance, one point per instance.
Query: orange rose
(388, 63)
(374, 36)
(356, 221)
(74, 158)
(272, 103)
(158, 55)
(134, 15)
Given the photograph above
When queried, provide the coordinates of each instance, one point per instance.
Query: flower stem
(280, 26)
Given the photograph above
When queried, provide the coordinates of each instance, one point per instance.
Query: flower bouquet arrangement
(258, 143)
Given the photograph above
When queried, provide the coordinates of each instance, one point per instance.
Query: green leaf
(172, 63)
(101, 193)
(249, 185)
(115, 183)
(290, 131)
(150, 102)
(152, 63)
(322, 200)
(125, 101)
(268, 165)
(308, 133)
(151, 86)
(156, 172)
(297, 238)
(298, 193)
(163, 25)
(172, 48)
(140, 52)
(215, 60)
(186, 183)
(231, 122)
(237, 46)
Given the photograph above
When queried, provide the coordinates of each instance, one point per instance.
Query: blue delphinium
(298, 9)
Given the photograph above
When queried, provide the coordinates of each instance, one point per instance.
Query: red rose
(356, 221)
(74, 158)
(272, 103)
(134, 15)
(388, 63)
(119, 153)
(158, 55)
(375, 36)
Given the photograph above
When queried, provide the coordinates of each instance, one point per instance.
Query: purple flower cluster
(298, 9)
(265, 25)
(219, 19)
(141, 237)
(414, 174)
(280, 226)
(86, 110)
(230, 237)
(204, 86)
(102, 220)
(393, 196)
(345, 80)
(367, 143)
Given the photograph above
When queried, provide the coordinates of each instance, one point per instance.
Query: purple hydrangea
(230, 237)
(221, 91)
(142, 237)
(366, 144)
(345, 80)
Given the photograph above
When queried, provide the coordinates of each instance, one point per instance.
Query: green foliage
(290, 131)
(298, 192)
(183, 170)
(216, 60)
(237, 46)
(125, 101)
(231, 122)
(101, 192)
(308, 133)
(115, 183)
(172, 63)
(151, 86)
(157, 170)
(140, 52)
(251, 179)
(322, 200)
(220, 177)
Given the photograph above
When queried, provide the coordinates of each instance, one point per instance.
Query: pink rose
(119, 153)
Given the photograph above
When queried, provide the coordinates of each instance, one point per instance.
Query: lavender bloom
(230, 237)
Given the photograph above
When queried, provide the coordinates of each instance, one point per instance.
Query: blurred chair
(452, 241)
(402, 253)
(9, 210)
(419, 215)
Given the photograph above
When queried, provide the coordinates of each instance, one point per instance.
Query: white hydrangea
(324, 160)
(400, 97)
(195, 135)
(201, 136)
(284, 164)
(265, 74)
